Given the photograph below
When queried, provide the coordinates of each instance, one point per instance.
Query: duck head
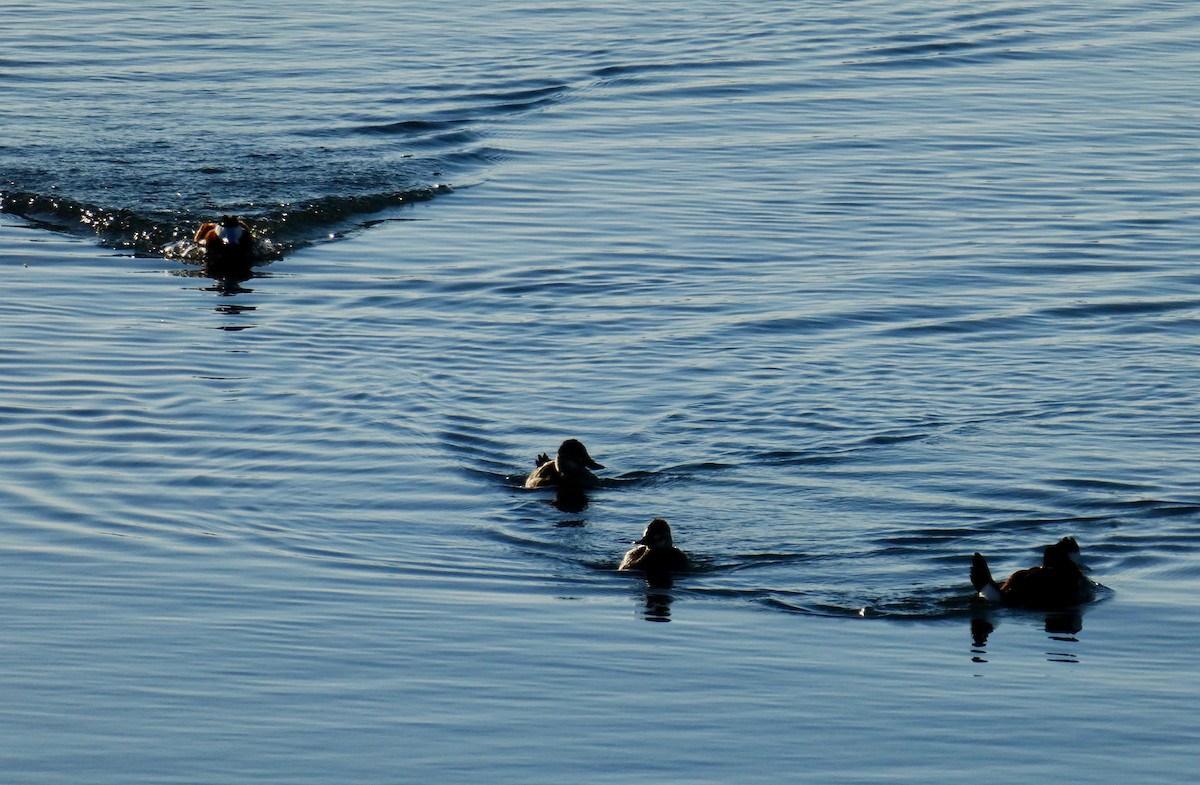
(572, 454)
(1064, 553)
(657, 535)
(230, 230)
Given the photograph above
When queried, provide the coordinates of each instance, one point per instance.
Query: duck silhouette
(1057, 583)
(570, 469)
(655, 554)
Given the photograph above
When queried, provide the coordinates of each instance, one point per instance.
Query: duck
(655, 554)
(231, 239)
(1057, 583)
(570, 468)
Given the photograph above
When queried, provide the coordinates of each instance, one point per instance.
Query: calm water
(845, 291)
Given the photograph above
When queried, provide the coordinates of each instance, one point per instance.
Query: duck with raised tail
(1057, 583)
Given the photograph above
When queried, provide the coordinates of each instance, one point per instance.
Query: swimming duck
(569, 469)
(656, 554)
(229, 239)
(1057, 583)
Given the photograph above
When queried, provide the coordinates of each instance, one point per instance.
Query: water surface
(846, 293)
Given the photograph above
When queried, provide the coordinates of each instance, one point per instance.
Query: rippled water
(845, 292)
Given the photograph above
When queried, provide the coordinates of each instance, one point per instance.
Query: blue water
(844, 291)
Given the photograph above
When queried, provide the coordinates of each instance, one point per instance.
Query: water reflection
(1068, 623)
(224, 280)
(656, 596)
(225, 283)
(235, 310)
(657, 605)
(980, 630)
(1062, 627)
(571, 500)
(228, 285)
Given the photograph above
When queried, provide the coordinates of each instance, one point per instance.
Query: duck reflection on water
(1062, 627)
(657, 605)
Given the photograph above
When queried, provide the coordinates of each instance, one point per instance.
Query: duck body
(569, 470)
(1057, 583)
(655, 554)
(229, 240)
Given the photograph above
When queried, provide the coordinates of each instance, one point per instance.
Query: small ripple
(1120, 308)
